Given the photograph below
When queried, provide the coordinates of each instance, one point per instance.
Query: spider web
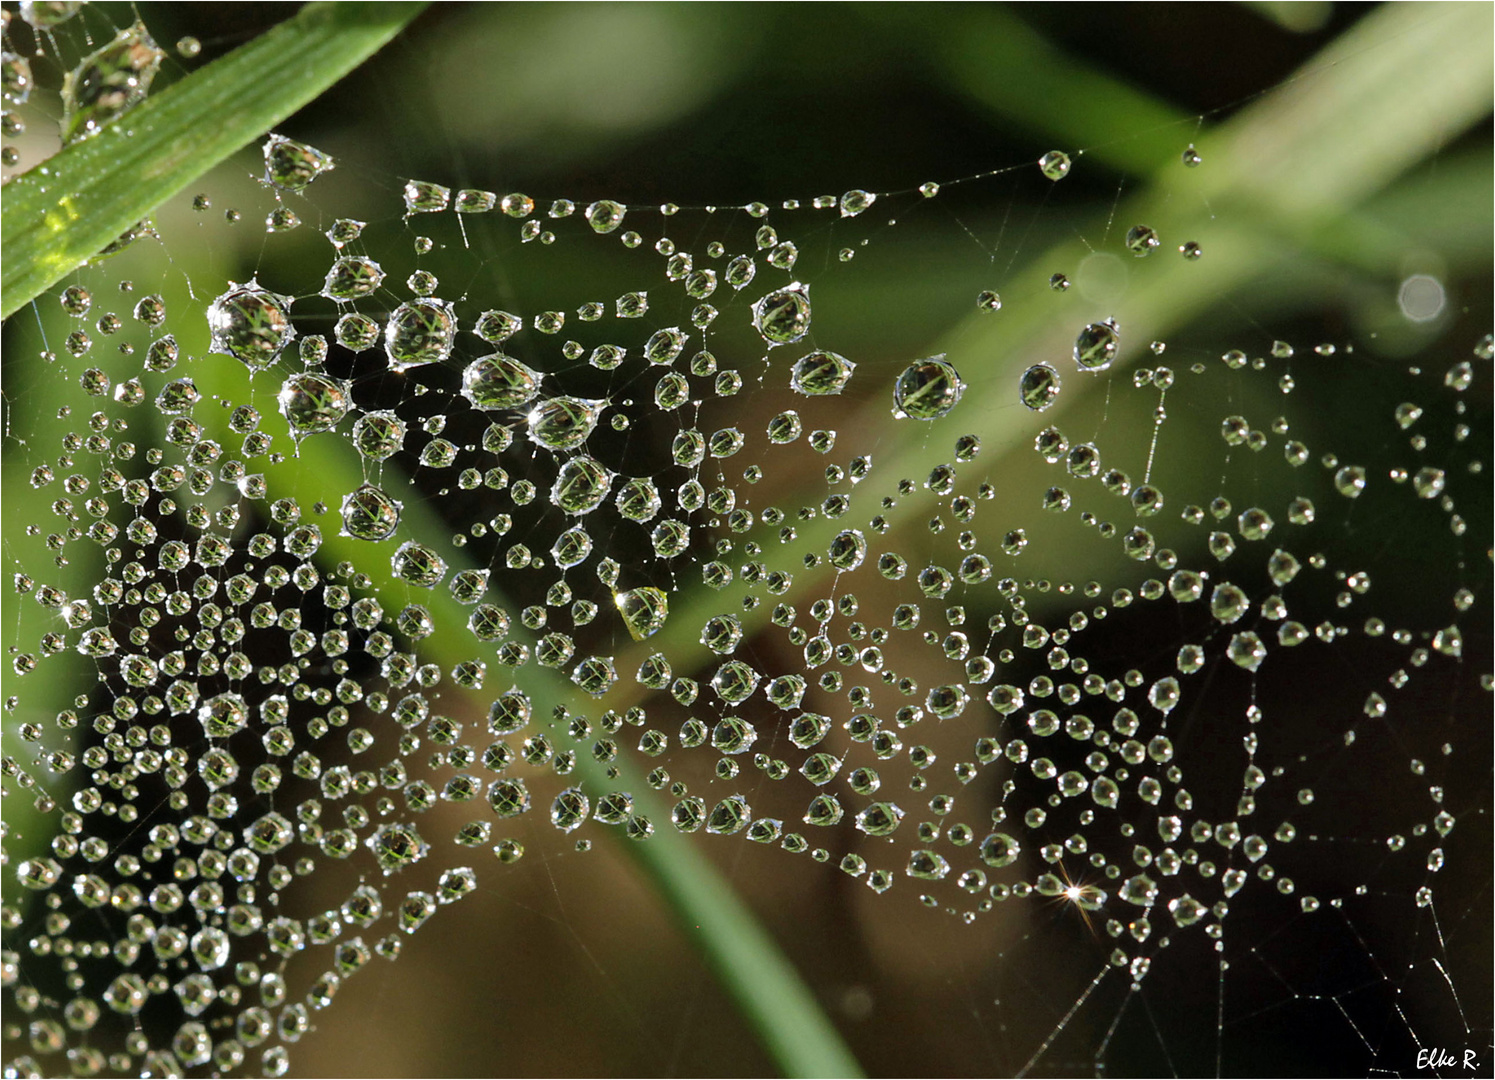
(1155, 713)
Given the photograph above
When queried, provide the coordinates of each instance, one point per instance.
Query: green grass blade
(71, 206)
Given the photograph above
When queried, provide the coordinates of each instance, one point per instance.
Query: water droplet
(581, 485)
(1429, 482)
(1350, 481)
(397, 845)
(352, 276)
(499, 382)
(250, 324)
(223, 715)
(855, 201)
(312, 402)
(644, 610)
(1054, 164)
(1228, 603)
(416, 563)
(1142, 240)
(108, 82)
(927, 389)
(425, 198)
(1097, 344)
(664, 345)
(879, 819)
(1191, 156)
(291, 166)
(986, 300)
(42, 14)
(1059, 283)
(379, 435)
(848, 549)
(821, 373)
(1039, 387)
(604, 215)
(740, 271)
(1247, 650)
(783, 316)
(638, 499)
(563, 423)
(419, 332)
(370, 514)
(785, 427)
(15, 78)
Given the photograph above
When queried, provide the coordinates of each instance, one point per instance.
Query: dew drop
(1142, 240)
(312, 402)
(1038, 387)
(927, 389)
(291, 166)
(1055, 164)
(783, 316)
(604, 215)
(250, 324)
(1097, 344)
(419, 332)
(108, 82)
(821, 373)
(499, 382)
(352, 276)
(370, 514)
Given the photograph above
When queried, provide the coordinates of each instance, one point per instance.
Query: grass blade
(71, 206)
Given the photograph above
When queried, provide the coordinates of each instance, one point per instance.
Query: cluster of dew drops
(259, 711)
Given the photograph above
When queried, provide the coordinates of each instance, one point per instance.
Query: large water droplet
(15, 78)
(563, 423)
(821, 373)
(418, 564)
(1096, 346)
(499, 382)
(644, 610)
(108, 82)
(638, 499)
(783, 316)
(312, 402)
(927, 389)
(419, 332)
(379, 435)
(848, 549)
(604, 215)
(855, 201)
(352, 276)
(879, 819)
(397, 845)
(250, 324)
(223, 715)
(290, 165)
(1142, 240)
(570, 809)
(664, 345)
(581, 485)
(1039, 386)
(370, 514)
